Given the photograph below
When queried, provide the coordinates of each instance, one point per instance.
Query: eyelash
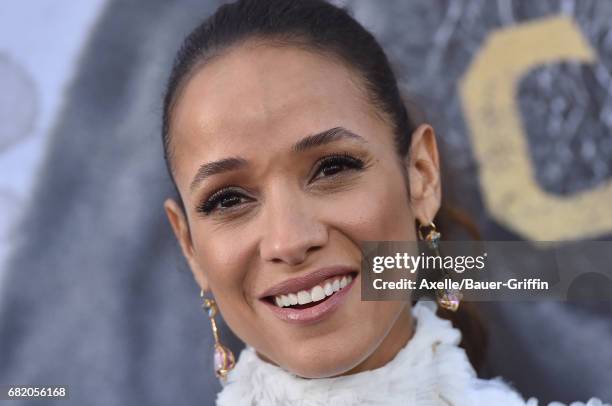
(328, 161)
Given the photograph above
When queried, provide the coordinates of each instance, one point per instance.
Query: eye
(333, 164)
(223, 199)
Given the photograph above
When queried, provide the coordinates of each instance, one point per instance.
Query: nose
(291, 231)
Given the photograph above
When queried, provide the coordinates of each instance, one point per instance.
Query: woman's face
(284, 166)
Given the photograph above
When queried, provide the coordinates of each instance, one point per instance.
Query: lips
(307, 282)
(310, 298)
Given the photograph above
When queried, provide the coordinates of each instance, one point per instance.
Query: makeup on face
(285, 167)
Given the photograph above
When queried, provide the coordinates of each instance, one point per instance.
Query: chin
(326, 361)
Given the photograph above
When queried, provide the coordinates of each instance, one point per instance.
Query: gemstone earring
(224, 360)
(448, 299)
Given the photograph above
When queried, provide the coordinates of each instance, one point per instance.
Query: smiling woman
(288, 143)
(281, 192)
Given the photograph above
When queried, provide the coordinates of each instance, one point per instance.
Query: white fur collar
(430, 370)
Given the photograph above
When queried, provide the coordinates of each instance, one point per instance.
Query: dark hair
(320, 27)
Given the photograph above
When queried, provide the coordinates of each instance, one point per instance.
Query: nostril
(314, 248)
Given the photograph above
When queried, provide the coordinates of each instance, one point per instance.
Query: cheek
(377, 210)
(220, 259)
(224, 260)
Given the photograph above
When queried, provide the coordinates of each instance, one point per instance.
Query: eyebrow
(234, 163)
(325, 137)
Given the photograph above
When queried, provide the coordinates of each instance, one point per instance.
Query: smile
(316, 294)
(310, 298)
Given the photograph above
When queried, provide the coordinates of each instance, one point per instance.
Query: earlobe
(180, 227)
(423, 167)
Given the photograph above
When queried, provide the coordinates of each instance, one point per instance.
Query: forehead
(258, 96)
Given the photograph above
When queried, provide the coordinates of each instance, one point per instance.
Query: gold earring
(448, 299)
(224, 360)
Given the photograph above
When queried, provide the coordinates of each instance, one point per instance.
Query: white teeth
(304, 297)
(317, 293)
(329, 290)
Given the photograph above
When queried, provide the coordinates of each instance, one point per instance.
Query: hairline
(299, 41)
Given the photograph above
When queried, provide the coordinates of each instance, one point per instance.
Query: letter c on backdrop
(488, 93)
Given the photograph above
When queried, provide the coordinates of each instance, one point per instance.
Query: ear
(180, 226)
(423, 168)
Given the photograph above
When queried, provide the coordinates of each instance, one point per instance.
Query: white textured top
(430, 370)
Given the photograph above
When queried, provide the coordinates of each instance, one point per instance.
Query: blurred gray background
(93, 290)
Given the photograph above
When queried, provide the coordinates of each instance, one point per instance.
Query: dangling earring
(224, 360)
(448, 299)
